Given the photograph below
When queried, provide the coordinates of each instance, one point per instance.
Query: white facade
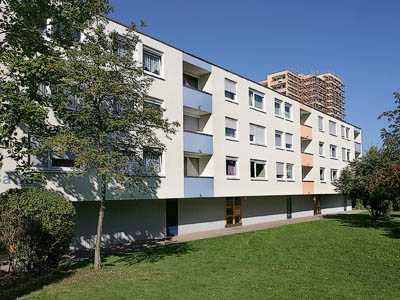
(194, 166)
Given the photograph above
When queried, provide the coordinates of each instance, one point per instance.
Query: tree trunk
(99, 233)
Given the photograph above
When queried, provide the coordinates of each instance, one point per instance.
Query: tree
(33, 37)
(391, 134)
(110, 127)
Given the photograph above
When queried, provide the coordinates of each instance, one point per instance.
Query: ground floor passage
(133, 220)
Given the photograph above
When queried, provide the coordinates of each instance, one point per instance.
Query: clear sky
(357, 39)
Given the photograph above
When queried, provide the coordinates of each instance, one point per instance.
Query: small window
(153, 104)
(320, 123)
(190, 81)
(332, 127)
(348, 154)
(288, 111)
(333, 151)
(289, 141)
(278, 108)
(280, 170)
(343, 131)
(334, 174)
(152, 61)
(321, 148)
(289, 172)
(230, 89)
(322, 174)
(257, 135)
(278, 138)
(347, 133)
(231, 167)
(257, 169)
(230, 128)
(256, 100)
(344, 154)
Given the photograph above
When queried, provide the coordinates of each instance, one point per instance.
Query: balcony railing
(308, 187)
(306, 132)
(195, 142)
(196, 187)
(307, 160)
(197, 100)
(357, 147)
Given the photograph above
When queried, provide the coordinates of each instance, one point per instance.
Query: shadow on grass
(390, 225)
(12, 287)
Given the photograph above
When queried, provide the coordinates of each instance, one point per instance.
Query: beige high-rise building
(324, 92)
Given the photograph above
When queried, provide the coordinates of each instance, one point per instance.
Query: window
(257, 169)
(278, 108)
(153, 104)
(334, 174)
(278, 139)
(257, 135)
(231, 167)
(279, 170)
(321, 148)
(322, 174)
(190, 81)
(348, 154)
(332, 127)
(289, 141)
(342, 131)
(192, 166)
(256, 100)
(344, 154)
(288, 111)
(230, 89)
(152, 162)
(230, 128)
(347, 133)
(289, 171)
(152, 61)
(62, 162)
(190, 123)
(320, 123)
(333, 151)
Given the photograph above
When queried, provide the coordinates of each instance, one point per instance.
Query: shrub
(36, 228)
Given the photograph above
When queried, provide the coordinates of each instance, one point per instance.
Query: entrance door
(317, 205)
(172, 217)
(233, 211)
(289, 207)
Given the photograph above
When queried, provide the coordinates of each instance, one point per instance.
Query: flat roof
(225, 69)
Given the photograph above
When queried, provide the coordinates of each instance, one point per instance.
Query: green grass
(336, 258)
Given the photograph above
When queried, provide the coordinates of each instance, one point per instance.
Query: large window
(257, 169)
(256, 100)
(284, 171)
(320, 123)
(231, 167)
(257, 135)
(230, 90)
(278, 138)
(152, 61)
(152, 162)
(332, 127)
(231, 128)
(288, 111)
(333, 150)
(278, 108)
(289, 141)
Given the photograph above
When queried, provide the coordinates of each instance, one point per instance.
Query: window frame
(291, 148)
(337, 173)
(280, 147)
(280, 115)
(260, 162)
(236, 160)
(236, 138)
(155, 53)
(292, 170)
(235, 98)
(252, 100)
(335, 128)
(290, 105)
(323, 178)
(264, 134)
(321, 124)
(321, 147)
(332, 146)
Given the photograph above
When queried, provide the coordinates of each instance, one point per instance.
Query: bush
(36, 228)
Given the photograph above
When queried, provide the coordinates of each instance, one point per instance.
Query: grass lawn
(336, 258)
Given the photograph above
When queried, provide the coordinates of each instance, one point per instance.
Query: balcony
(196, 187)
(196, 142)
(306, 132)
(307, 160)
(357, 147)
(197, 100)
(308, 187)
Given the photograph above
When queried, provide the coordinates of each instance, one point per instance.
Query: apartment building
(245, 154)
(324, 92)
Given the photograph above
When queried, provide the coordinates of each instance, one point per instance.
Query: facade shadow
(390, 225)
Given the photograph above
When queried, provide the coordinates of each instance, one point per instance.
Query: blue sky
(358, 40)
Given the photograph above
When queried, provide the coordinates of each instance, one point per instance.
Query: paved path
(249, 228)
